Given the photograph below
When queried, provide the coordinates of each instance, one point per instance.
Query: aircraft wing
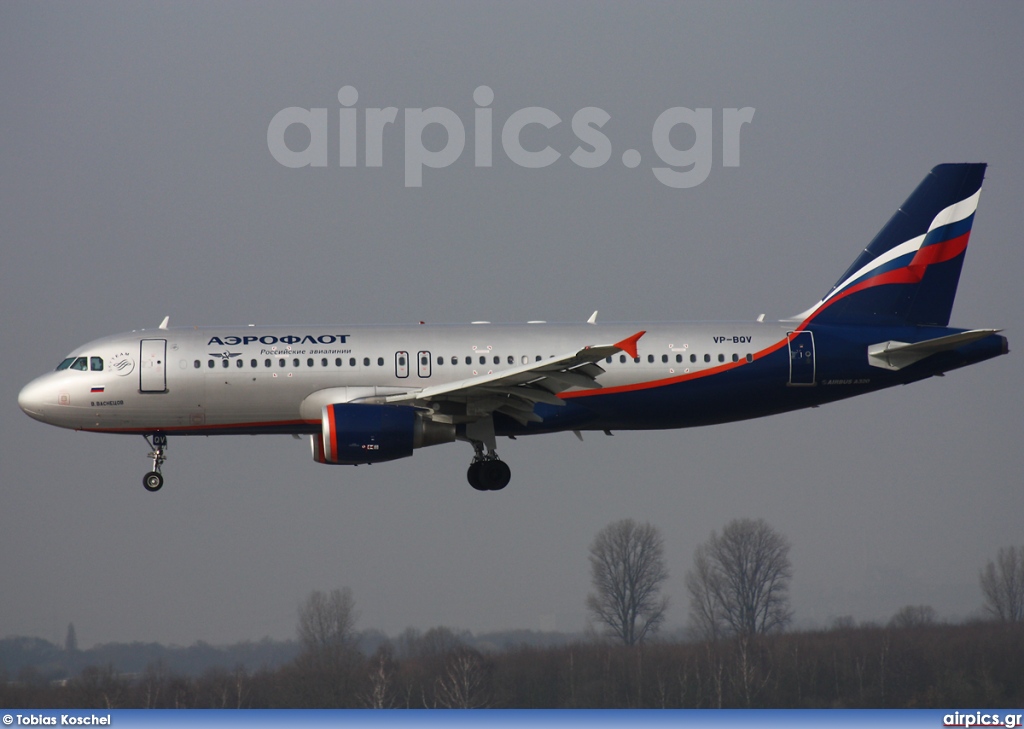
(515, 391)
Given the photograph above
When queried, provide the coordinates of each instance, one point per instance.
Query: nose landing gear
(153, 480)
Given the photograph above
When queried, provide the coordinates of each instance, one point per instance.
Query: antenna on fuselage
(163, 324)
(593, 318)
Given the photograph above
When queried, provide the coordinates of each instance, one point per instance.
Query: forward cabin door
(152, 366)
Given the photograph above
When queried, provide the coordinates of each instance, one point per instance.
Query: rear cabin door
(152, 366)
(801, 358)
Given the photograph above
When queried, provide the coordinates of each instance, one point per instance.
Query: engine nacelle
(355, 433)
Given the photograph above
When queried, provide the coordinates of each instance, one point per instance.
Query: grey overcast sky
(136, 182)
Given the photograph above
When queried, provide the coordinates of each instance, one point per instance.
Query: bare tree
(627, 568)
(739, 584)
(1002, 584)
(913, 616)
(327, 622)
(330, 654)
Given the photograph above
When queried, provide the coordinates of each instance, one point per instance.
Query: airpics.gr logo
(684, 167)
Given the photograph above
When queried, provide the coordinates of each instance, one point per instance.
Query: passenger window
(650, 358)
(511, 359)
(281, 362)
(664, 358)
(707, 357)
(750, 357)
(440, 360)
(366, 361)
(679, 358)
(96, 364)
(380, 361)
(693, 358)
(224, 363)
(351, 361)
(455, 360)
(309, 361)
(337, 361)
(323, 362)
(196, 364)
(266, 362)
(80, 364)
(622, 358)
(538, 358)
(295, 362)
(721, 358)
(469, 360)
(735, 358)
(209, 364)
(483, 360)
(239, 364)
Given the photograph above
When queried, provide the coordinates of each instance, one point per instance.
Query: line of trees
(980, 664)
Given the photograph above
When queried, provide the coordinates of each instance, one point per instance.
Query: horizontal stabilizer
(892, 355)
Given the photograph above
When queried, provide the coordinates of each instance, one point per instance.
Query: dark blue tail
(909, 273)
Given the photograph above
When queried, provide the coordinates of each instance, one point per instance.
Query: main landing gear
(487, 472)
(153, 480)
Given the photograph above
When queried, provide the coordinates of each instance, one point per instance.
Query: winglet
(628, 345)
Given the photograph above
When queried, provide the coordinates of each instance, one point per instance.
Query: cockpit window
(96, 364)
(80, 363)
(65, 364)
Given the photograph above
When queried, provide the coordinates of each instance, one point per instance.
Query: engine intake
(356, 433)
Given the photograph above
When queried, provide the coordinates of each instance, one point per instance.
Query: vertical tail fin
(909, 273)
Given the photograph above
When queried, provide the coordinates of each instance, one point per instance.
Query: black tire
(494, 475)
(473, 476)
(153, 481)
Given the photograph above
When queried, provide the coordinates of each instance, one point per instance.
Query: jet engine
(356, 433)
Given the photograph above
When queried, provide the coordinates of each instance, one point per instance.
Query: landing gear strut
(153, 480)
(487, 472)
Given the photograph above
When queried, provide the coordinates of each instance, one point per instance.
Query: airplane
(369, 394)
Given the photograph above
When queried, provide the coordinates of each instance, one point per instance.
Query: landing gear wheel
(489, 475)
(495, 475)
(152, 481)
(473, 475)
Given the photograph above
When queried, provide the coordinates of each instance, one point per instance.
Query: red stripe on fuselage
(650, 384)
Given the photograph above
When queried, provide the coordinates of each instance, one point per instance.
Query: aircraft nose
(33, 397)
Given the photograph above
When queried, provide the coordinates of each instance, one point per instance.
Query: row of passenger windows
(283, 362)
(679, 358)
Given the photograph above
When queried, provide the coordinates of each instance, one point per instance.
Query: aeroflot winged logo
(286, 339)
